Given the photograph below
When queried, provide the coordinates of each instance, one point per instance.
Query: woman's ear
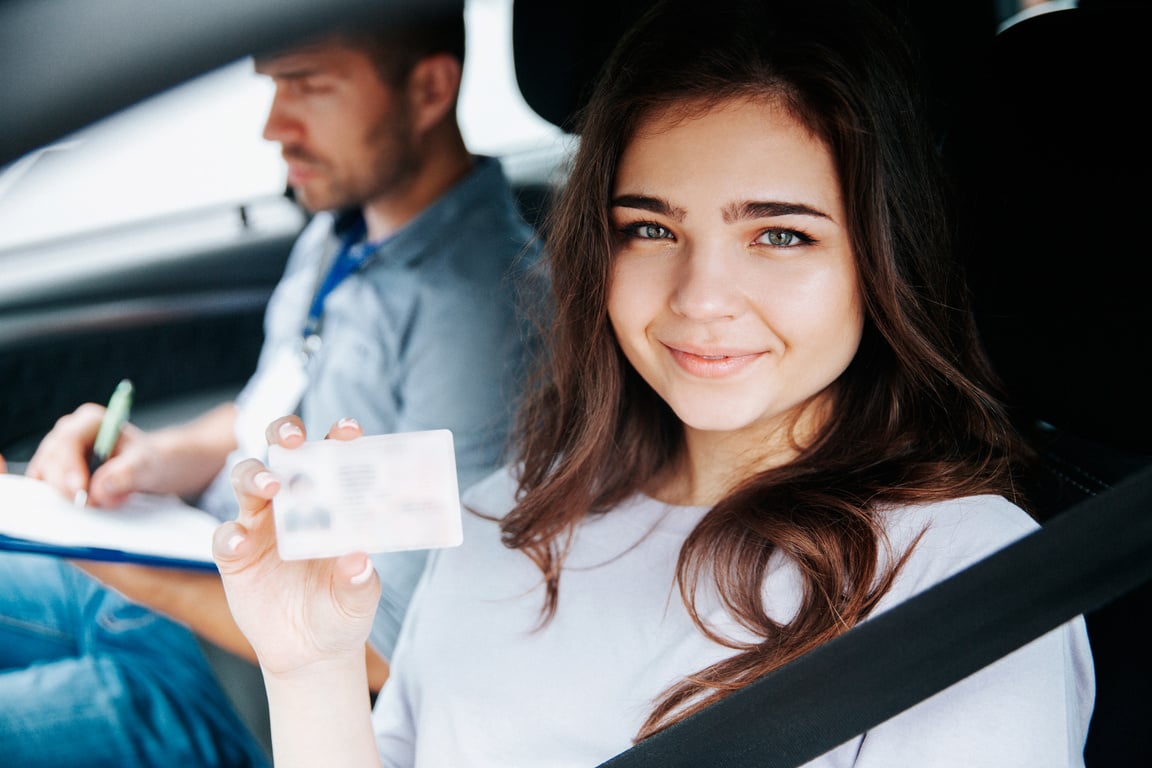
(433, 88)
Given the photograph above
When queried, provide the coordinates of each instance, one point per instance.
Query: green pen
(115, 416)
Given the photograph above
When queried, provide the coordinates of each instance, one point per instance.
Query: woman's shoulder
(951, 534)
(986, 515)
(494, 495)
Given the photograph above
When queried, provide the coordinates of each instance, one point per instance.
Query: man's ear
(433, 88)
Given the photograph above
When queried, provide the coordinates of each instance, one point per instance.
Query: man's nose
(280, 126)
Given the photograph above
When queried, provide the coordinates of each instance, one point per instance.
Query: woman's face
(734, 291)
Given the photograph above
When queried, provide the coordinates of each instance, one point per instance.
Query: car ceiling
(68, 63)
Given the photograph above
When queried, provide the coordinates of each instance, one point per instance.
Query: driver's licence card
(377, 493)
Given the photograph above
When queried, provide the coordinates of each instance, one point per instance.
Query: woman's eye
(647, 231)
(783, 238)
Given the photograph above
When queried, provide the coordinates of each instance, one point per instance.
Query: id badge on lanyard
(276, 392)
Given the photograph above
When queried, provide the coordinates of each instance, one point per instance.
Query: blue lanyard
(352, 255)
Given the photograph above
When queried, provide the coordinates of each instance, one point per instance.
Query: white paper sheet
(149, 526)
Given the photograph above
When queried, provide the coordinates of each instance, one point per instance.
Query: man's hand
(180, 460)
(61, 459)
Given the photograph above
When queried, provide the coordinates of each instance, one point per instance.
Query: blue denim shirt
(427, 334)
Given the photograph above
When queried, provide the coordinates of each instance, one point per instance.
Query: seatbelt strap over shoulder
(1079, 560)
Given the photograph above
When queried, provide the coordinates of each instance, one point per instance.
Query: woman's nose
(707, 285)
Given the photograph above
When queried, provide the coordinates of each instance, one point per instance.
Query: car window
(195, 146)
(198, 146)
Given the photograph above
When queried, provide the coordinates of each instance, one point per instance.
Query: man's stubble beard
(395, 163)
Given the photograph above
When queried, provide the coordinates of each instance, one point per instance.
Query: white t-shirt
(476, 683)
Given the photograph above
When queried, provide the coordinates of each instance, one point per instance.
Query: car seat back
(1054, 159)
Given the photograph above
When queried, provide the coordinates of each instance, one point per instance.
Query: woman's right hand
(295, 613)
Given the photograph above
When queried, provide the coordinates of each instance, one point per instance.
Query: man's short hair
(398, 47)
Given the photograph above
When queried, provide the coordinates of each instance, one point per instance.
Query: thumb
(231, 547)
(357, 583)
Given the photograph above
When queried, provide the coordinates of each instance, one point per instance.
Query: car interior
(1044, 126)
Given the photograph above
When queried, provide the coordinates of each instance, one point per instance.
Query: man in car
(397, 307)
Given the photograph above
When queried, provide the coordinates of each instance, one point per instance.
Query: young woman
(762, 418)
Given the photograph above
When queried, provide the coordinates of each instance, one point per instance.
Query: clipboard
(12, 544)
(149, 529)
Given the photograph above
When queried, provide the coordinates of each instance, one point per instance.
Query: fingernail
(347, 421)
(264, 480)
(290, 429)
(234, 543)
(364, 575)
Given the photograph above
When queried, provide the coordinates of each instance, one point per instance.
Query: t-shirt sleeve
(1029, 709)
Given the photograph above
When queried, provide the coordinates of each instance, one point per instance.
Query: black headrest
(1056, 156)
(560, 45)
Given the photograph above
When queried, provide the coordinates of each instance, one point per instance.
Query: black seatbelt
(1080, 560)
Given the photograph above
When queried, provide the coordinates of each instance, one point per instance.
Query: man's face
(345, 134)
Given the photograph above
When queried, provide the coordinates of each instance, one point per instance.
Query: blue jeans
(88, 678)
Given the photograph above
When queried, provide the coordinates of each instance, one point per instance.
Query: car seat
(1054, 161)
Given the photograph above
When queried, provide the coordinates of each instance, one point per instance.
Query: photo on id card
(377, 493)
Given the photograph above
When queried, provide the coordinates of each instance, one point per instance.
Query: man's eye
(310, 86)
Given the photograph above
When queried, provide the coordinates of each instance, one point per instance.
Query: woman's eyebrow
(646, 203)
(757, 209)
(750, 209)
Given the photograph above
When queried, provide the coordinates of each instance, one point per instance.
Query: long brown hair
(915, 419)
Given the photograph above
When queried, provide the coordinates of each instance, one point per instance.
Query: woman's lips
(713, 364)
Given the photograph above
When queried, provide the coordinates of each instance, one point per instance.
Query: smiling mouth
(712, 366)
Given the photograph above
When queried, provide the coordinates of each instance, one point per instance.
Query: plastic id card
(378, 493)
